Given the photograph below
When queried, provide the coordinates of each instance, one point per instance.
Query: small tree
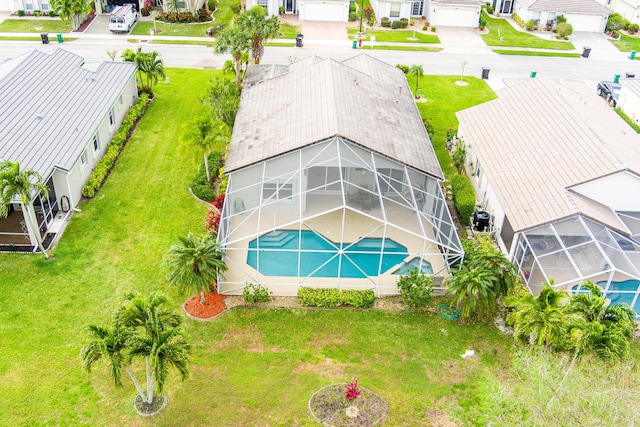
(233, 40)
(203, 135)
(564, 30)
(259, 28)
(223, 100)
(73, 11)
(150, 67)
(459, 155)
(418, 71)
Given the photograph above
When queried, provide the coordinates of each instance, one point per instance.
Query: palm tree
(418, 71)
(235, 41)
(497, 262)
(71, 10)
(205, 135)
(258, 27)
(152, 67)
(228, 67)
(539, 321)
(113, 345)
(195, 263)
(27, 184)
(471, 290)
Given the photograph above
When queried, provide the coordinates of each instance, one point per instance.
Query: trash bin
(632, 55)
(45, 38)
(354, 44)
(586, 50)
(485, 73)
(60, 38)
(299, 38)
(533, 74)
(616, 78)
(630, 75)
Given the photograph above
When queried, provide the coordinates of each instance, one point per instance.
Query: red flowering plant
(352, 392)
(219, 201)
(212, 223)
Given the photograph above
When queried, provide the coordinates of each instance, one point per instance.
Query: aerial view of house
(333, 181)
(583, 15)
(557, 178)
(59, 114)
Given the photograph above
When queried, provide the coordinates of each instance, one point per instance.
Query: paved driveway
(461, 40)
(601, 48)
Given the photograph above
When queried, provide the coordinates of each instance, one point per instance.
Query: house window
(478, 171)
(44, 5)
(83, 159)
(180, 4)
(28, 6)
(394, 12)
(96, 143)
(111, 121)
(120, 101)
(277, 189)
(263, 3)
(416, 8)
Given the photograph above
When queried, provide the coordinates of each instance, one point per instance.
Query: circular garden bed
(330, 408)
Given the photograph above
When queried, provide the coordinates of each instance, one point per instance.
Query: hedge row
(464, 197)
(331, 297)
(200, 186)
(105, 164)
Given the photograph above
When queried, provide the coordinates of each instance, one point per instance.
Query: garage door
(586, 22)
(455, 17)
(323, 11)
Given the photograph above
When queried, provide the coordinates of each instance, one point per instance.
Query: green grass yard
(535, 53)
(627, 43)
(183, 30)
(288, 31)
(514, 38)
(396, 36)
(34, 26)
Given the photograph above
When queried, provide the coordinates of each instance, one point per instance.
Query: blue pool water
(283, 253)
(413, 265)
(619, 292)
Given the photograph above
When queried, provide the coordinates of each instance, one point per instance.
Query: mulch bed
(213, 305)
(85, 24)
(329, 407)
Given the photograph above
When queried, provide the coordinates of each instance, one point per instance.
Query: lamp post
(361, 14)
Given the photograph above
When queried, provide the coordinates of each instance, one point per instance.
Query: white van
(122, 18)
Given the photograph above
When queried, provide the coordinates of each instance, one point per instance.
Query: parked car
(609, 91)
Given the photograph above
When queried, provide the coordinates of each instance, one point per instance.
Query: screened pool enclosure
(570, 251)
(333, 214)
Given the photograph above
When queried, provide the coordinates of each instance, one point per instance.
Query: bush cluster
(235, 6)
(518, 19)
(488, 8)
(385, 21)
(331, 297)
(464, 197)
(633, 28)
(403, 67)
(202, 15)
(352, 6)
(564, 30)
(202, 188)
(254, 293)
(105, 164)
(416, 288)
(352, 16)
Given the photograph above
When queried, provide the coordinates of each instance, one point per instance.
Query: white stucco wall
(614, 191)
(629, 102)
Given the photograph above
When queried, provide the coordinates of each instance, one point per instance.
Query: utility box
(586, 50)
(45, 38)
(485, 73)
(299, 38)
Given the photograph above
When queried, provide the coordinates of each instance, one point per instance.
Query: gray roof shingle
(52, 105)
(584, 7)
(361, 99)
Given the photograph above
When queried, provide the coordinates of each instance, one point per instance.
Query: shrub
(352, 6)
(429, 127)
(102, 168)
(213, 4)
(52, 14)
(145, 11)
(204, 192)
(385, 22)
(517, 18)
(404, 22)
(425, 27)
(368, 13)
(615, 34)
(235, 6)
(564, 30)
(331, 297)
(490, 9)
(530, 24)
(254, 293)
(222, 187)
(37, 13)
(404, 68)
(20, 12)
(482, 23)
(561, 18)
(416, 288)
(352, 16)
(395, 25)
(633, 28)
(203, 15)
(464, 197)
(433, 29)
(212, 223)
(219, 201)
(372, 21)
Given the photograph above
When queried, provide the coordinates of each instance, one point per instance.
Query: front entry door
(290, 6)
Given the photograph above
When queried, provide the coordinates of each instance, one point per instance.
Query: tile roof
(52, 105)
(361, 99)
(584, 7)
(539, 138)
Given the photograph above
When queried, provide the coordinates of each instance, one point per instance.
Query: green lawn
(193, 42)
(185, 30)
(396, 36)
(514, 38)
(444, 98)
(34, 26)
(288, 31)
(627, 43)
(397, 47)
(535, 53)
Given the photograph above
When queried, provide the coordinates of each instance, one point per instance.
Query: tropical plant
(228, 67)
(196, 263)
(416, 288)
(259, 28)
(73, 11)
(26, 183)
(203, 135)
(471, 289)
(223, 100)
(234, 41)
(418, 71)
(150, 67)
(564, 30)
(459, 155)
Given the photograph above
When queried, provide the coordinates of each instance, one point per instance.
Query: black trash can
(630, 75)
(299, 38)
(586, 50)
(45, 38)
(485, 73)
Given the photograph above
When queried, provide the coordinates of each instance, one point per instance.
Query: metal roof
(584, 7)
(361, 99)
(52, 105)
(539, 138)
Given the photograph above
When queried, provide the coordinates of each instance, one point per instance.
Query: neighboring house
(629, 9)
(57, 117)
(583, 15)
(502, 7)
(307, 10)
(629, 100)
(453, 13)
(27, 5)
(558, 170)
(333, 181)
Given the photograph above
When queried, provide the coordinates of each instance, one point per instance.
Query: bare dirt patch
(328, 368)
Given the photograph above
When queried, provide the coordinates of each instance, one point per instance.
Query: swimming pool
(619, 292)
(414, 264)
(306, 253)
